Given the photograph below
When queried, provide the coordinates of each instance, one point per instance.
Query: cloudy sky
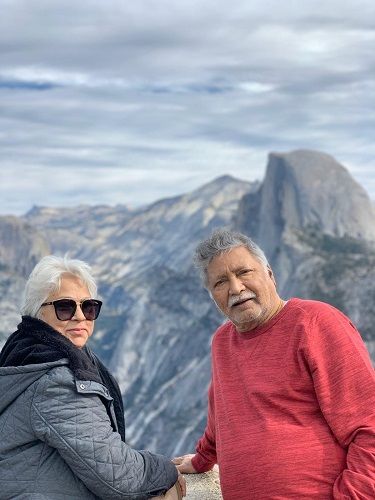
(119, 101)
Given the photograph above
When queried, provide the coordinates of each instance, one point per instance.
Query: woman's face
(78, 329)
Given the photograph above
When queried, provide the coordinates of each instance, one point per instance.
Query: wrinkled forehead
(231, 260)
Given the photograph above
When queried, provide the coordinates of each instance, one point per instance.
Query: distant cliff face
(21, 247)
(314, 222)
(306, 189)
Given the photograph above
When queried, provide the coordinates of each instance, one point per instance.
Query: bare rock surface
(314, 222)
(204, 486)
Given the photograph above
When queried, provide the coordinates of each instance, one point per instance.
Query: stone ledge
(204, 486)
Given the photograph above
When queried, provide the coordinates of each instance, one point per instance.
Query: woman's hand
(181, 484)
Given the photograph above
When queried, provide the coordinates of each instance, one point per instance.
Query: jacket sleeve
(344, 383)
(78, 426)
(205, 457)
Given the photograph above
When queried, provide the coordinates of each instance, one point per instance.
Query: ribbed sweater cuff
(200, 464)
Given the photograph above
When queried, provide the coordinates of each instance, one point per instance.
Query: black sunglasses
(65, 309)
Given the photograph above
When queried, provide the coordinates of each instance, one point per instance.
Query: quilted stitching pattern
(69, 436)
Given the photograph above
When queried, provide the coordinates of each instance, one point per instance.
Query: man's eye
(245, 271)
(219, 282)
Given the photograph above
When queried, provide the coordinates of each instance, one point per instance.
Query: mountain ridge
(157, 320)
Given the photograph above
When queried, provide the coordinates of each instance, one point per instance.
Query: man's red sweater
(292, 409)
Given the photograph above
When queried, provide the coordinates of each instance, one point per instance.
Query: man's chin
(247, 322)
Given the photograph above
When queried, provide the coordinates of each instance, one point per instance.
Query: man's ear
(271, 275)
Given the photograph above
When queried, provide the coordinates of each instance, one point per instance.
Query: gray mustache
(236, 299)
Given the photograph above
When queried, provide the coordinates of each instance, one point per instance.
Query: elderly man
(292, 397)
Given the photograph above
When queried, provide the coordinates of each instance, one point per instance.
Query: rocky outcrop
(77, 230)
(307, 189)
(304, 193)
(21, 245)
(154, 330)
(314, 222)
(204, 486)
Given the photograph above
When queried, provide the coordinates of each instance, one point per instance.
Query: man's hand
(184, 464)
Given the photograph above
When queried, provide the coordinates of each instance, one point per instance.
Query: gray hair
(45, 279)
(223, 240)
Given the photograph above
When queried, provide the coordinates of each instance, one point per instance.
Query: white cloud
(39, 75)
(157, 97)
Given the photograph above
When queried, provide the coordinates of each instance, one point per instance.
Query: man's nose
(236, 286)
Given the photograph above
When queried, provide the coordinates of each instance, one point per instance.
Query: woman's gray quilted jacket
(57, 441)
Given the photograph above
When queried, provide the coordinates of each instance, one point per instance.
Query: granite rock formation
(314, 221)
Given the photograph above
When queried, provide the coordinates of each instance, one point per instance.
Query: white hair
(223, 240)
(45, 279)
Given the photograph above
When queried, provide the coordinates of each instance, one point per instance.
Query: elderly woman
(62, 431)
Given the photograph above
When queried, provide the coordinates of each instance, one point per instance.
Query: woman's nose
(78, 315)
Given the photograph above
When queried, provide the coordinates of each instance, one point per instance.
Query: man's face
(243, 288)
